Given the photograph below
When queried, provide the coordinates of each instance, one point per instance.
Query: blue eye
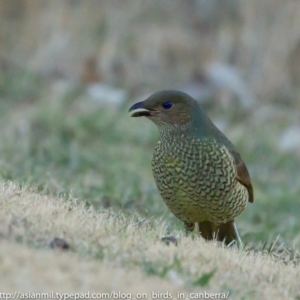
(167, 105)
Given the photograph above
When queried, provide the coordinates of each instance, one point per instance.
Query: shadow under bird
(198, 172)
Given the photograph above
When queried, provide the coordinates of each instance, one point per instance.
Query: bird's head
(167, 108)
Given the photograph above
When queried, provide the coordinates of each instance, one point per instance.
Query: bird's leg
(224, 232)
(208, 230)
(188, 228)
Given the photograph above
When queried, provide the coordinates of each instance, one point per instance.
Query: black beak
(148, 112)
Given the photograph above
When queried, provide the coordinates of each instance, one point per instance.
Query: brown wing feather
(243, 175)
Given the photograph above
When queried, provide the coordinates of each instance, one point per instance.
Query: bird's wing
(242, 174)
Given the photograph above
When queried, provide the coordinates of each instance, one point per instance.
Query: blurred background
(69, 70)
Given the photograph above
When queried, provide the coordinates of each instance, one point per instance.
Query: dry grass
(25, 269)
(110, 252)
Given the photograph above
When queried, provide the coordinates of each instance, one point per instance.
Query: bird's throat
(174, 131)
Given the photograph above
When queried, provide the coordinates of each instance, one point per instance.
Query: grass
(76, 170)
(105, 244)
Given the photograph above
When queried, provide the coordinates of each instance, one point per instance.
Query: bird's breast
(194, 176)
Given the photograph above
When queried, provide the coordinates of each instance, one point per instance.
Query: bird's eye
(167, 104)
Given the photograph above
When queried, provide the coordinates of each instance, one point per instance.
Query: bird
(198, 172)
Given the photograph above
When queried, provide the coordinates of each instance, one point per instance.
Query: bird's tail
(226, 232)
